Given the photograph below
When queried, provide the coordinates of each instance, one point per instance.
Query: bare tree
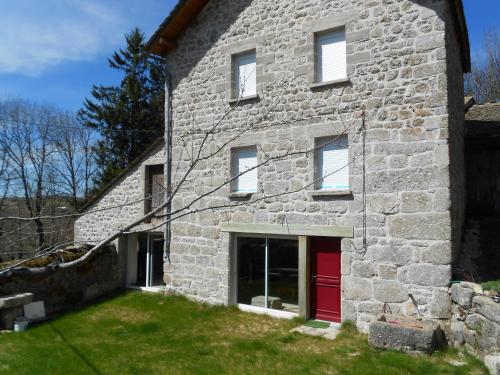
(5, 178)
(74, 166)
(4, 183)
(483, 83)
(25, 138)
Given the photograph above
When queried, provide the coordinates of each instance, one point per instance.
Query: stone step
(15, 300)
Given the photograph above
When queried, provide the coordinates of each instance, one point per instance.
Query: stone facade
(403, 70)
(405, 79)
(100, 222)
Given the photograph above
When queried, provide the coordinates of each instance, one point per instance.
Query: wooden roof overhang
(165, 38)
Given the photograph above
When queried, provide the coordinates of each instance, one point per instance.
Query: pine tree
(128, 117)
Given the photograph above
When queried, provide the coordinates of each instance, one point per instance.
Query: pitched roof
(185, 12)
(111, 184)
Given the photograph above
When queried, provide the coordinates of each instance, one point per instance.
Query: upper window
(155, 187)
(332, 169)
(245, 169)
(331, 62)
(245, 75)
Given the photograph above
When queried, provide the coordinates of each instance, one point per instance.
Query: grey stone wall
(66, 288)
(403, 69)
(100, 221)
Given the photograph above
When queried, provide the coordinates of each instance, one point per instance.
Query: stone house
(349, 195)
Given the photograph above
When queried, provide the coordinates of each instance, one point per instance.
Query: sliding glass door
(150, 260)
(267, 272)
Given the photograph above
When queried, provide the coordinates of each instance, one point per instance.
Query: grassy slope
(141, 334)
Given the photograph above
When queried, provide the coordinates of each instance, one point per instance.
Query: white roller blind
(331, 56)
(246, 77)
(246, 159)
(333, 164)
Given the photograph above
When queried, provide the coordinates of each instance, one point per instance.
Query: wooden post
(304, 277)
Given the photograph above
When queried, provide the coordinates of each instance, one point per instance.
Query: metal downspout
(168, 163)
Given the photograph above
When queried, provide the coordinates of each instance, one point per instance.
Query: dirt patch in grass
(246, 325)
(124, 314)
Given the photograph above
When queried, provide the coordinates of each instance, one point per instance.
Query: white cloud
(38, 35)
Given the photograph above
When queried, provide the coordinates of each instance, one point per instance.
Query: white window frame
(338, 44)
(333, 141)
(235, 169)
(256, 309)
(239, 89)
(133, 244)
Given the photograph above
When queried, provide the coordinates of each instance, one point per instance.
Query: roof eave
(165, 37)
(185, 12)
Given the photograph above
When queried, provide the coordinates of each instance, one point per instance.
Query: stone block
(487, 308)
(391, 254)
(356, 288)
(440, 306)
(15, 300)
(34, 310)
(387, 271)
(348, 310)
(382, 203)
(416, 202)
(272, 302)
(437, 253)
(405, 334)
(428, 226)
(363, 269)
(389, 291)
(429, 275)
(462, 296)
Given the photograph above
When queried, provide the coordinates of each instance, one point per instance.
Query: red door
(325, 278)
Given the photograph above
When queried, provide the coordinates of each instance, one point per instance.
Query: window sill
(238, 195)
(336, 82)
(244, 99)
(331, 193)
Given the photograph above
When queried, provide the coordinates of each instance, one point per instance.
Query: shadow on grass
(75, 350)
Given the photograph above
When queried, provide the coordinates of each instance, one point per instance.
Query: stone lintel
(291, 230)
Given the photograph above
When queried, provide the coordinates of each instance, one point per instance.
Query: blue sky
(52, 51)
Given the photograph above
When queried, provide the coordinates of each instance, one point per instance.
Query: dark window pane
(283, 274)
(251, 271)
(157, 258)
(141, 259)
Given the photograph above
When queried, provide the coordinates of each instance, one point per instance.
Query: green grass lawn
(138, 333)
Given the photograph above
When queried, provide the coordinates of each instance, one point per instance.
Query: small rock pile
(476, 323)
